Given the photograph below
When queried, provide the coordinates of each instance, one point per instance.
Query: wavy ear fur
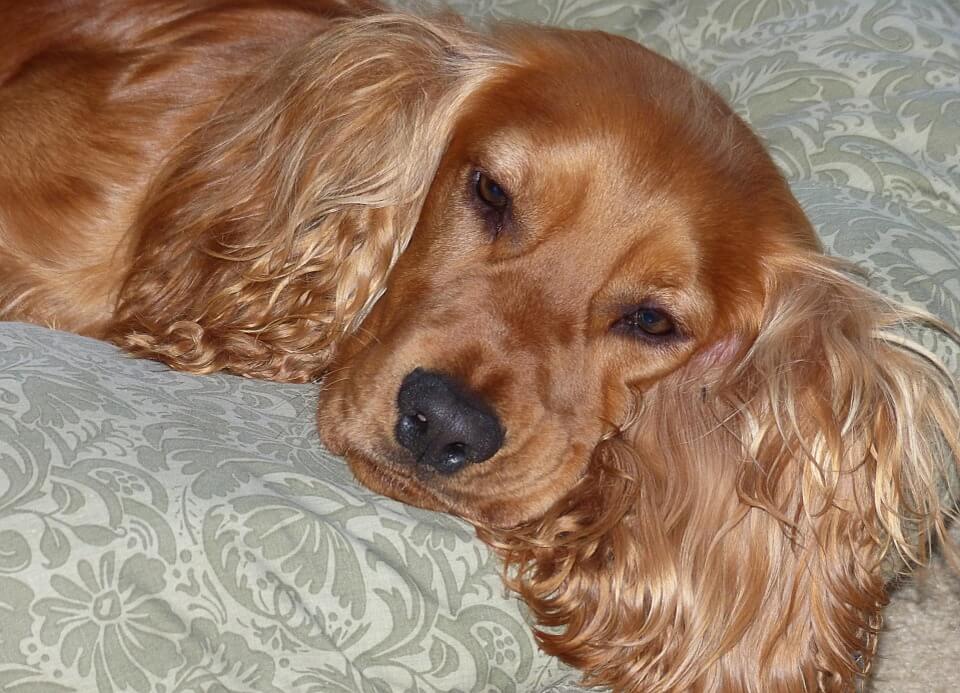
(272, 230)
(738, 536)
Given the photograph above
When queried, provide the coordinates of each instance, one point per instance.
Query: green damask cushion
(161, 531)
(166, 532)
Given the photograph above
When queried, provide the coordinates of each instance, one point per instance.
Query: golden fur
(288, 189)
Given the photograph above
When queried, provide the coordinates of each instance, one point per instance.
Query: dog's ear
(740, 535)
(272, 230)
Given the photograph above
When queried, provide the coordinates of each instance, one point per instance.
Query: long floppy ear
(272, 230)
(740, 534)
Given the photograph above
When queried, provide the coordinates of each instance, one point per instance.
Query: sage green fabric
(170, 533)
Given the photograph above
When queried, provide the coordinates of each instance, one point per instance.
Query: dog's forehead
(627, 125)
(618, 176)
(580, 81)
(636, 162)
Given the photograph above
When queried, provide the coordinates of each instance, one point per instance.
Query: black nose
(444, 425)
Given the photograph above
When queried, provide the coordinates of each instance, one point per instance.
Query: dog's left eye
(491, 192)
(651, 322)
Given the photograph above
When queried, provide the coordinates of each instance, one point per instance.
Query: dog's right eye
(648, 322)
(491, 192)
(491, 201)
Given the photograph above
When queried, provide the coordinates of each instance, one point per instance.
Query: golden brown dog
(556, 286)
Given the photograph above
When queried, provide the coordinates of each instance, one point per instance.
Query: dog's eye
(491, 192)
(648, 321)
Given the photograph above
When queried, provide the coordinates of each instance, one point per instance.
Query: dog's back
(93, 97)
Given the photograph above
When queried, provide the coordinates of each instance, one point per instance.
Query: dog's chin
(402, 481)
(381, 469)
(389, 472)
(395, 480)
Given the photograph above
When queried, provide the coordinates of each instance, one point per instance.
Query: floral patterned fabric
(166, 532)
(170, 533)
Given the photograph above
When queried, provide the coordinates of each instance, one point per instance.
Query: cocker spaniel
(554, 284)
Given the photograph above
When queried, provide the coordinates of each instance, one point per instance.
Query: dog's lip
(396, 479)
(408, 483)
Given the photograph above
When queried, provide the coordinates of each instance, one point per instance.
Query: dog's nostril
(410, 427)
(444, 425)
(452, 458)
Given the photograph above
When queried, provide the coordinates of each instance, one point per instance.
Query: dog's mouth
(392, 471)
(396, 480)
(425, 438)
(398, 477)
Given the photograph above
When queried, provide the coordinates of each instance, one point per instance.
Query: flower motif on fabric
(111, 622)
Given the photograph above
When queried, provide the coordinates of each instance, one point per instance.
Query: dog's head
(613, 343)
(599, 218)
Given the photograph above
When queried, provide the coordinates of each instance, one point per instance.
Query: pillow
(164, 531)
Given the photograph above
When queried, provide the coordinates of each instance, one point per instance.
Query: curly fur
(734, 537)
(288, 189)
(307, 224)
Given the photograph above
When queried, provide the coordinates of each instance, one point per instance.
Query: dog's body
(558, 288)
(96, 96)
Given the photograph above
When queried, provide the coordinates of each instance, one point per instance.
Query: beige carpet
(920, 647)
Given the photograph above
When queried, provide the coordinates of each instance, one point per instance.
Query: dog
(549, 283)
